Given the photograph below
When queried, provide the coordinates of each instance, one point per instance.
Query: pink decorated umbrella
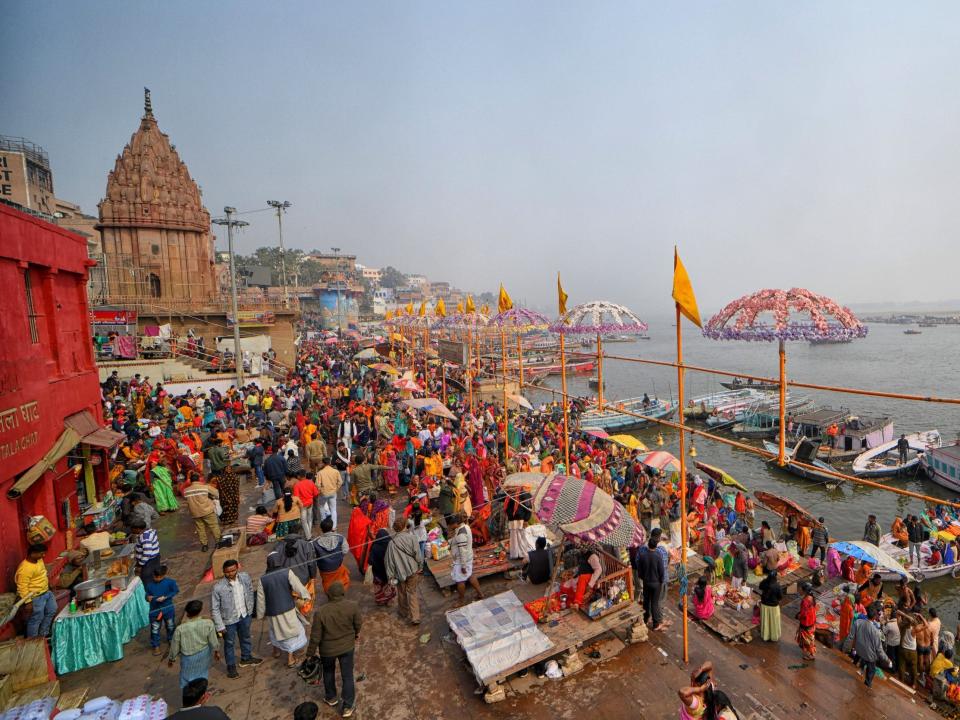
(782, 315)
(598, 318)
(520, 320)
(579, 508)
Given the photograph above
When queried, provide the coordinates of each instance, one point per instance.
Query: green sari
(163, 489)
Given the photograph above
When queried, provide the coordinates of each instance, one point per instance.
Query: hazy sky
(778, 144)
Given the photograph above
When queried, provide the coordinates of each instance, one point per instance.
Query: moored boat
(613, 419)
(884, 460)
(738, 384)
(804, 452)
(912, 332)
(594, 382)
(942, 465)
(921, 572)
(700, 407)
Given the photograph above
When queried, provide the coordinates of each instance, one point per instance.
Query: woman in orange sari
(899, 532)
(846, 616)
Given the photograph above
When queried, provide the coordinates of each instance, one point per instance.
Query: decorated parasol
(661, 460)
(385, 368)
(520, 320)
(430, 405)
(781, 315)
(579, 508)
(599, 317)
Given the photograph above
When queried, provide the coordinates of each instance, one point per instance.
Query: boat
(926, 324)
(853, 435)
(702, 406)
(912, 332)
(726, 417)
(784, 506)
(884, 459)
(942, 465)
(888, 559)
(594, 382)
(719, 475)
(613, 420)
(738, 384)
(766, 423)
(578, 367)
(920, 572)
(805, 452)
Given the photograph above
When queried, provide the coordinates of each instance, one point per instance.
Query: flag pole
(470, 366)
(683, 481)
(506, 412)
(782, 449)
(566, 415)
(599, 374)
(520, 359)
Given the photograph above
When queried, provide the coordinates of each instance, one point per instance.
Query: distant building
(372, 274)
(25, 177)
(417, 281)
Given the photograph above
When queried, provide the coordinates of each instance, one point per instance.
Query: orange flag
(561, 298)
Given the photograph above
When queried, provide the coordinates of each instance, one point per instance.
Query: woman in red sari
(370, 516)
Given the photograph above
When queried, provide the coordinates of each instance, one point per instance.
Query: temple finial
(147, 105)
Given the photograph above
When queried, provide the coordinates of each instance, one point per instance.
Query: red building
(52, 442)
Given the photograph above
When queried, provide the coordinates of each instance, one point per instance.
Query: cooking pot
(90, 589)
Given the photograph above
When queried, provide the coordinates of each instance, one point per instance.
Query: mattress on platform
(497, 633)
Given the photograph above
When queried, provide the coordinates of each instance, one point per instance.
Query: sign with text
(453, 352)
(113, 317)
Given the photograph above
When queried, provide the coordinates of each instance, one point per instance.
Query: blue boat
(613, 419)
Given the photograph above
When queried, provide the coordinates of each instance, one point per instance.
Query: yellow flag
(683, 291)
(423, 309)
(470, 306)
(561, 298)
(484, 309)
(504, 302)
(387, 315)
(409, 308)
(460, 308)
(440, 309)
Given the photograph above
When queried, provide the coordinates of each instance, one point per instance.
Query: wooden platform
(729, 623)
(486, 562)
(568, 631)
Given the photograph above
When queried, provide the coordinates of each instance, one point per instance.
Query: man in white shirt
(461, 551)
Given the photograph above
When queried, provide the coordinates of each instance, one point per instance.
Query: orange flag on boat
(683, 291)
(440, 309)
(409, 308)
(561, 298)
(504, 302)
(470, 306)
(423, 309)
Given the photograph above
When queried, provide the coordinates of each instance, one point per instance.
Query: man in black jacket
(649, 570)
(275, 470)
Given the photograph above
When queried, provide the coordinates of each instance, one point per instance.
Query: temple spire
(147, 105)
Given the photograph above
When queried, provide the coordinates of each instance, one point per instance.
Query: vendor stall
(85, 638)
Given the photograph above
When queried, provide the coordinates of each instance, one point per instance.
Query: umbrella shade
(862, 550)
(628, 441)
(432, 406)
(721, 476)
(580, 508)
(661, 460)
(783, 506)
(597, 433)
(331, 341)
(406, 384)
(599, 317)
(521, 401)
(367, 354)
(385, 367)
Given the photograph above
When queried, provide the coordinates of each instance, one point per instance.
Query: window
(31, 309)
(953, 471)
(154, 285)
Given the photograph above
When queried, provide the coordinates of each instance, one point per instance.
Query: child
(161, 591)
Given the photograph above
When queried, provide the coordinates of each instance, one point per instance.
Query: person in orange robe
(846, 616)
(899, 531)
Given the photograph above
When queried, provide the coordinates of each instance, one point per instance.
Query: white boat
(885, 459)
(943, 466)
(921, 572)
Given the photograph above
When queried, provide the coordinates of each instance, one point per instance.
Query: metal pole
(566, 417)
(599, 374)
(520, 359)
(782, 450)
(336, 252)
(237, 352)
(280, 208)
(683, 480)
(506, 412)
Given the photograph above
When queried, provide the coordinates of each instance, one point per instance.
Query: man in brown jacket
(200, 496)
(336, 627)
(315, 451)
(329, 482)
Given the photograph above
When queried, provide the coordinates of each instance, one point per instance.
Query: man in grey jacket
(232, 606)
(867, 640)
(404, 561)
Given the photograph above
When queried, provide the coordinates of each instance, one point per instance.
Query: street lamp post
(280, 207)
(336, 252)
(231, 224)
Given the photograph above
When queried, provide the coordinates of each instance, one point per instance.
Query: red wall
(57, 373)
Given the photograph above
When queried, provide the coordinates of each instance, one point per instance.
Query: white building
(416, 281)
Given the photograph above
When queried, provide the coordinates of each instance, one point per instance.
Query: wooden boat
(721, 476)
(703, 406)
(612, 420)
(738, 384)
(784, 506)
(884, 459)
(926, 324)
(942, 465)
(805, 452)
(854, 433)
(594, 382)
(920, 572)
(579, 367)
(912, 332)
(729, 417)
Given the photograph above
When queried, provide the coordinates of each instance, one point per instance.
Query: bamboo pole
(506, 411)
(443, 376)
(782, 450)
(599, 374)
(683, 480)
(470, 368)
(520, 359)
(566, 412)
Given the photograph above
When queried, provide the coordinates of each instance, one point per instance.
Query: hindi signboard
(453, 352)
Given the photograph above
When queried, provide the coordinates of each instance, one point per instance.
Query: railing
(220, 304)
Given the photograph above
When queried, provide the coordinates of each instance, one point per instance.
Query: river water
(886, 359)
